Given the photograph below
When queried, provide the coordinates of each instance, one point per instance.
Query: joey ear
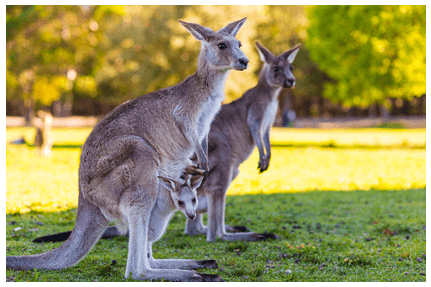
(264, 53)
(233, 27)
(196, 180)
(290, 54)
(199, 32)
(168, 183)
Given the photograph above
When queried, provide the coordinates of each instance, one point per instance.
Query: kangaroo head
(278, 70)
(184, 194)
(220, 50)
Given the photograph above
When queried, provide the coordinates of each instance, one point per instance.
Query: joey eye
(194, 200)
(222, 46)
(276, 69)
(180, 203)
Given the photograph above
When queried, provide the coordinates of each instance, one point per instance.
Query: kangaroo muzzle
(289, 83)
(191, 215)
(243, 62)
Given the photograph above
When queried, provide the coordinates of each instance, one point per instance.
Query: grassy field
(374, 232)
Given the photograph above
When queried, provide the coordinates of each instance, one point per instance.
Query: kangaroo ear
(233, 27)
(196, 180)
(168, 183)
(199, 32)
(290, 54)
(264, 53)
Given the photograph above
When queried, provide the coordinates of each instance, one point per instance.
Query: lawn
(348, 205)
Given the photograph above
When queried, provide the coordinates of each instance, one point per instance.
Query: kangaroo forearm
(257, 138)
(267, 143)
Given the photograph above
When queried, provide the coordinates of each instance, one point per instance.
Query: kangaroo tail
(89, 226)
(57, 237)
(110, 232)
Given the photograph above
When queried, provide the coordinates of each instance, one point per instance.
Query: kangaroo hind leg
(216, 212)
(187, 264)
(139, 262)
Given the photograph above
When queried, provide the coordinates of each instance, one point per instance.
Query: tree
(371, 52)
(44, 43)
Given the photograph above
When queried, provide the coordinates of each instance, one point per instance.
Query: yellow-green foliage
(46, 184)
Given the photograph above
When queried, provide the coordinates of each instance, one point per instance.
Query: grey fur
(150, 136)
(236, 130)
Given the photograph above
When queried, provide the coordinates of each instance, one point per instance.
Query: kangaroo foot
(211, 278)
(208, 263)
(237, 228)
(266, 235)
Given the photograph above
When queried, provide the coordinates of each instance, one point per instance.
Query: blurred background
(364, 62)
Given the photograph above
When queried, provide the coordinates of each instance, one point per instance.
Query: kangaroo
(145, 138)
(236, 130)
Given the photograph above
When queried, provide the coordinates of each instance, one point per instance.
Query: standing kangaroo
(236, 130)
(148, 137)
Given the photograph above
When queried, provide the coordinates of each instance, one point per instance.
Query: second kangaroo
(236, 130)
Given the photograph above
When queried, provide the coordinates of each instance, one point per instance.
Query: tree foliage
(45, 42)
(372, 52)
(121, 52)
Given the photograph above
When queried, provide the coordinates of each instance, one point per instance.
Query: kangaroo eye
(276, 69)
(291, 68)
(180, 203)
(194, 200)
(240, 45)
(222, 46)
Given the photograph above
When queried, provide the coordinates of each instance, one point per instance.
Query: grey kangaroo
(236, 130)
(148, 137)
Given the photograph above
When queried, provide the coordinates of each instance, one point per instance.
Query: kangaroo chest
(269, 115)
(207, 113)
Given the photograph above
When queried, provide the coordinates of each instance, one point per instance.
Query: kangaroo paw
(211, 278)
(266, 235)
(208, 263)
(195, 170)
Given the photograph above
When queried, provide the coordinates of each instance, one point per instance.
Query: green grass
(325, 236)
(343, 202)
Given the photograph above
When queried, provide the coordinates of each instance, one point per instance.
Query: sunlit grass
(306, 169)
(47, 184)
(372, 137)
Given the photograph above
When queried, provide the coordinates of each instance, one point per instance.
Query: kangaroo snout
(242, 64)
(191, 216)
(289, 83)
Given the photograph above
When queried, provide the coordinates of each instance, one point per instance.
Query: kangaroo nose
(191, 216)
(243, 61)
(289, 83)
